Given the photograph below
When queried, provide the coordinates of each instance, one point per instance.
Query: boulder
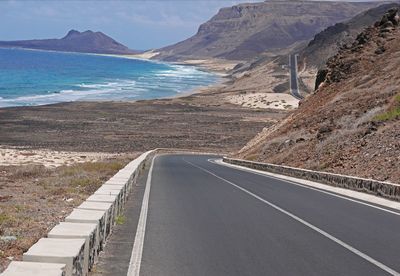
(321, 77)
(380, 50)
(393, 16)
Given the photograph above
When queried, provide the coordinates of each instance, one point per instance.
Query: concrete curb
(17, 268)
(382, 189)
(74, 245)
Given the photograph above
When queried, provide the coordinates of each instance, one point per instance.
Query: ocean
(29, 77)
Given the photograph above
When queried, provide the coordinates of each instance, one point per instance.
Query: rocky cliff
(327, 43)
(74, 41)
(246, 30)
(351, 124)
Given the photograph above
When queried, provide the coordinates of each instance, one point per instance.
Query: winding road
(294, 83)
(199, 217)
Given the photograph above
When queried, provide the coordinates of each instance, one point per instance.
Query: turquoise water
(39, 77)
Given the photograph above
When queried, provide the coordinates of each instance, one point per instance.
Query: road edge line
(137, 250)
(324, 190)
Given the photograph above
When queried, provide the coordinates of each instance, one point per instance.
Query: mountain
(74, 41)
(352, 122)
(246, 30)
(327, 43)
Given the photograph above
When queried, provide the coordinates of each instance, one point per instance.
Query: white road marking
(320, 231)
(136, 256)
(249, 170)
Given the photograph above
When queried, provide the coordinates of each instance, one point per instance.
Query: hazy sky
(139, 24)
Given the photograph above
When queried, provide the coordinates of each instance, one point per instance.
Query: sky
(139, 24)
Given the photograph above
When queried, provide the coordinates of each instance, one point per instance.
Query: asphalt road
(208, 219)
(294, 84)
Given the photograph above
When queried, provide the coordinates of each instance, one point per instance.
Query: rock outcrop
(75, 41)
(328, 42)
(341, 65)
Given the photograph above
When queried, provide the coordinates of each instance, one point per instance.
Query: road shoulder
(114, 260)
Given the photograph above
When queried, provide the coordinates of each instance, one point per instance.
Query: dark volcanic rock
(341, 65)
(75, 41)
(340, 36)
(380, 50)
(321, 76)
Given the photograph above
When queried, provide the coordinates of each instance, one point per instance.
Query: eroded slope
(351, 125)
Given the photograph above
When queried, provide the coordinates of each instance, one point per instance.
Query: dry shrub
(30, 171)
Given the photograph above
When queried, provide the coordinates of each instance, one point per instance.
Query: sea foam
(90, 78)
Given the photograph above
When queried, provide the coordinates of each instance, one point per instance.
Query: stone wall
(378, 188)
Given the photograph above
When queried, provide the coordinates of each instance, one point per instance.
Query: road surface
(294, 83)
(202, 218)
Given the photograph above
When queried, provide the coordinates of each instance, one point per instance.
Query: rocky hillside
(351, 125)
(74, 41)
(327, 43)
(246, 30)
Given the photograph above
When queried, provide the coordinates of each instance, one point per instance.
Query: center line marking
(315, 228)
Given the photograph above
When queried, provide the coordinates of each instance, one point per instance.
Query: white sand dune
(265, 100)
(48, 158)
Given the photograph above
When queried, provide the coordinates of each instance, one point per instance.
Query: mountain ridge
(74, 41)
(244, 31)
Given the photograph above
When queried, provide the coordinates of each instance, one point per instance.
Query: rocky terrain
(246, 30)
(75, 41)
(327, 43)
(351, 124)
(204, 121)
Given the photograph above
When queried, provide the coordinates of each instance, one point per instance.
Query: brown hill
(327, 43)
(351, 124)
(246, 30)
(74, 41)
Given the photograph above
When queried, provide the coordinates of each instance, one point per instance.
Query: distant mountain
(328, 42)
(75, 41)
(243, 31)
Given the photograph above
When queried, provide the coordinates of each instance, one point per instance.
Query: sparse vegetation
(392, 113)
(4, 218)
(30, 171)
(252, 157)
(45, 197)
(120, 220)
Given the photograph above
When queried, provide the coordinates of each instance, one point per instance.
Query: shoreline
(257, 98)
(222, 77)
(204, 64)
(219, 84)
(197, 118)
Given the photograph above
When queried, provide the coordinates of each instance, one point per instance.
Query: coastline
(216, 66)
(234, 89)
(220, 102)
(108, 118)
(211, 83)
(246, 97)
(223, 68)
